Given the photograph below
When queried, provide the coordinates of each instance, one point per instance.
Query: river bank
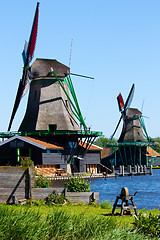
(148, 187)
(148, 195)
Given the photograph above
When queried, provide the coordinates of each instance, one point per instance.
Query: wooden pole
(151, 170)
(30, 187)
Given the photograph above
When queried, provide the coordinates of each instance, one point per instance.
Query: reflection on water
(149, 187)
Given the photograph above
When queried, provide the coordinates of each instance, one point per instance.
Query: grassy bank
(73, 222)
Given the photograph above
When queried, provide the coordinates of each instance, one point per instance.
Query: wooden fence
(17, 183)
(83, 197)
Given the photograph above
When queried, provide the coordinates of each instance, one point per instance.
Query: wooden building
(46, 155)
(153, 157)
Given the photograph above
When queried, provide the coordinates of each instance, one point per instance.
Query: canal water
(148, 186)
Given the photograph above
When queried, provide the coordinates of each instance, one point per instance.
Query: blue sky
(117, 42)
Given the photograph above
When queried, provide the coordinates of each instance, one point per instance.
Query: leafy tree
(103, 141)
(157, 147)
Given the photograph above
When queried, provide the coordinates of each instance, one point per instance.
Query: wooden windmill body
(48, 106)
(132, 128)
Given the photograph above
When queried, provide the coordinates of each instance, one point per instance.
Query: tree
(102, 141)
(157, 147)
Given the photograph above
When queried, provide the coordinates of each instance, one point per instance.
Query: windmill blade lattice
(130, 98)
(27, 55)
(116, 127)
(120, 102)
(123, 107)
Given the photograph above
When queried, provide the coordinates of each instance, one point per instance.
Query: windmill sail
(33, 36)
(123, 107)
(130, 97)
(120, 102)
(27, 55)
(116, 127)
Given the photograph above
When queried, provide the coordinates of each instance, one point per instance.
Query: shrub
(56, 198)
(149, 225)
(26, 162)
(41, 181)
(77, 184)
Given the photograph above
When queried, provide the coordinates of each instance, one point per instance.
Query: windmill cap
(133, 112)
(41, 67)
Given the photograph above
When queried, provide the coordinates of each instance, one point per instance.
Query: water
(148, 185)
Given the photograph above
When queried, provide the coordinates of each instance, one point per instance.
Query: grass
(67, 222)
(106, 205)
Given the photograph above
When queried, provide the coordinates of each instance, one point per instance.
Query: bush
(26, 162)
(77, 184)
(56, 198)
(149, 225)
(41, 181)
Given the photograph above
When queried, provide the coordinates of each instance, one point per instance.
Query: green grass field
(74, 222)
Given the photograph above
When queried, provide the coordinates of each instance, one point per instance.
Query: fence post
(123, 170)
(129, 169)
(30, 185)
(120, 169)
(151, 170)
(141, 169)
(135, 168)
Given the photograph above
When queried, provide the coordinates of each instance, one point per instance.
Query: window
(48, 152)
(66, 101)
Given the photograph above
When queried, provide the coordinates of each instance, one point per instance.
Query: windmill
(53, 113)
(132, 144)
(133, 125)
